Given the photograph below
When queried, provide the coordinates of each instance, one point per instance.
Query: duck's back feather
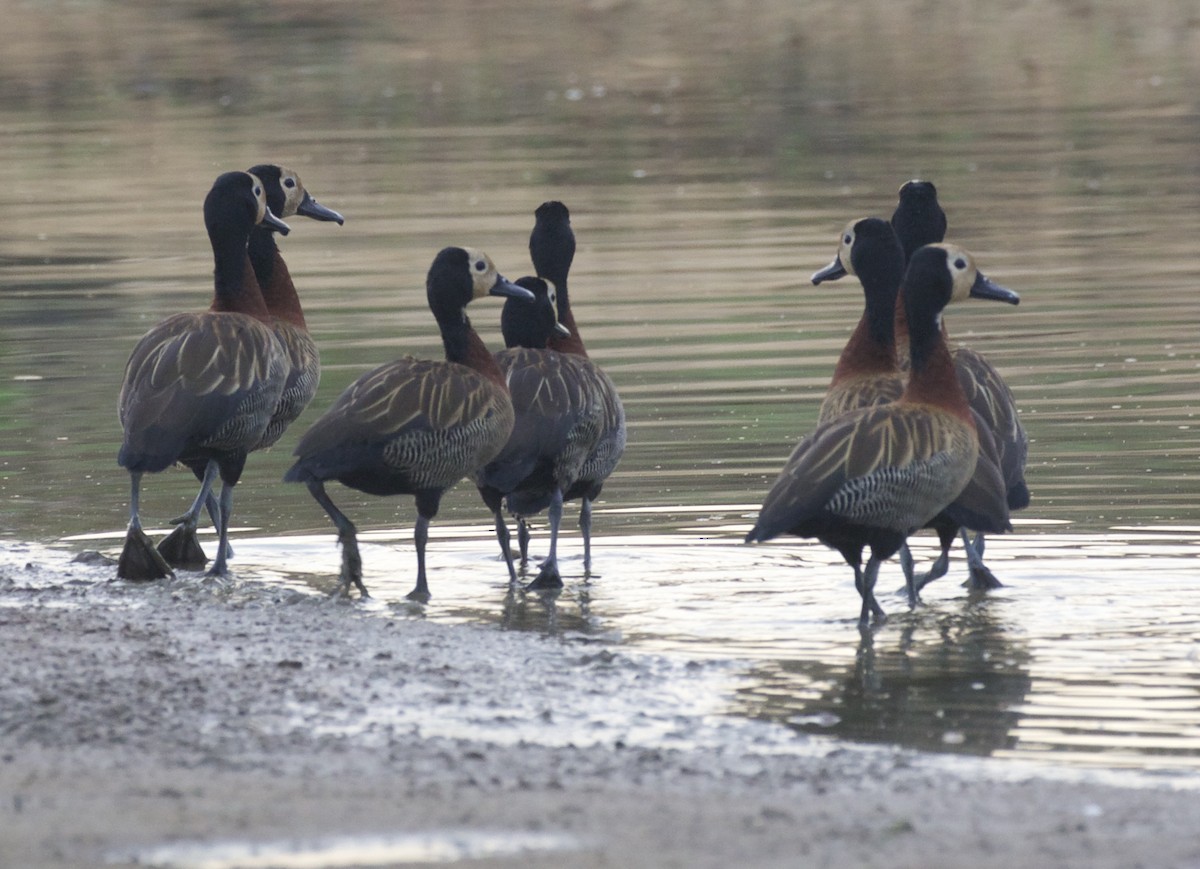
(559, 417)
(198, 382)
(407, 426)
(992, 399)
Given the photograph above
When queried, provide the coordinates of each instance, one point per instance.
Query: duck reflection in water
(948, 682)
(549, 612)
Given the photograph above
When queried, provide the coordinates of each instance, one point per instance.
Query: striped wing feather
(610, 445)
(203, 381)
(991, 398)
(859, 392)
(560, 412)
(419, 423)
(304, 375)
(891, 467)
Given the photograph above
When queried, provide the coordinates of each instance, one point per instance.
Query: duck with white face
(415, 426)
(286, 196)
(199, 389)
(869, 478)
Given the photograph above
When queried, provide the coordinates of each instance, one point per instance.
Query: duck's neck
(932, 379)
(573, 343)
(901, 330)
(464, 346)
(278, 291)
(235, 288)
(872, 346)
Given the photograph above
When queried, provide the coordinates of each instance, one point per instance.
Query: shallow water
(703, 192)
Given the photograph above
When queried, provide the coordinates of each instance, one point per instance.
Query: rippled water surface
(705, 187)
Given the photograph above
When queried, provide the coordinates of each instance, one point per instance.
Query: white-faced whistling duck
(868, 373)
(286, 192)
(560, 412)
(552, 248)
(415, 426)
(200, 389)
(286, 196)
(919, 220)
(871, 477)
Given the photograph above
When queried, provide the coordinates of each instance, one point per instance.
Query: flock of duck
(911, 433)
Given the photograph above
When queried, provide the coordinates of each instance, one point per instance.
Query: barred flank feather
(892, 467)
(304, 374)
(432, 423)
(610, 445)
(990, 397)
(415, 426)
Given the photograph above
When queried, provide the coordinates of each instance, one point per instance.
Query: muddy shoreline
(132, 718)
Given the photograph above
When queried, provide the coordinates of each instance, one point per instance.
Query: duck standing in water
(868, 371)
(870, 477)
(286, 196)
(200, 389)
(552, 248)
(560, 413)
(415, 426)
(919, 220)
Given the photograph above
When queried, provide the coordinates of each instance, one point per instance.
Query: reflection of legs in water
(523, 540)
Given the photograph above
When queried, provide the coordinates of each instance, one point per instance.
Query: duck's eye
(960, 264)
(847, 238)
(257, 191)
(480, 266)
(289, 183)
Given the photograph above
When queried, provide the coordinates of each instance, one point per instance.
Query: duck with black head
(200, 389)
(415, 426)
(286, 196)
(868, 371)
(287, 193)
(559, 415)
(552, 248)
(869, 478)
(919, 220)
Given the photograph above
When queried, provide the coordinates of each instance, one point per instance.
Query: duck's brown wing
(560, 413)
(990, 397)
(198, 381)
(413, 424)
(891, 467)
(982, 505)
